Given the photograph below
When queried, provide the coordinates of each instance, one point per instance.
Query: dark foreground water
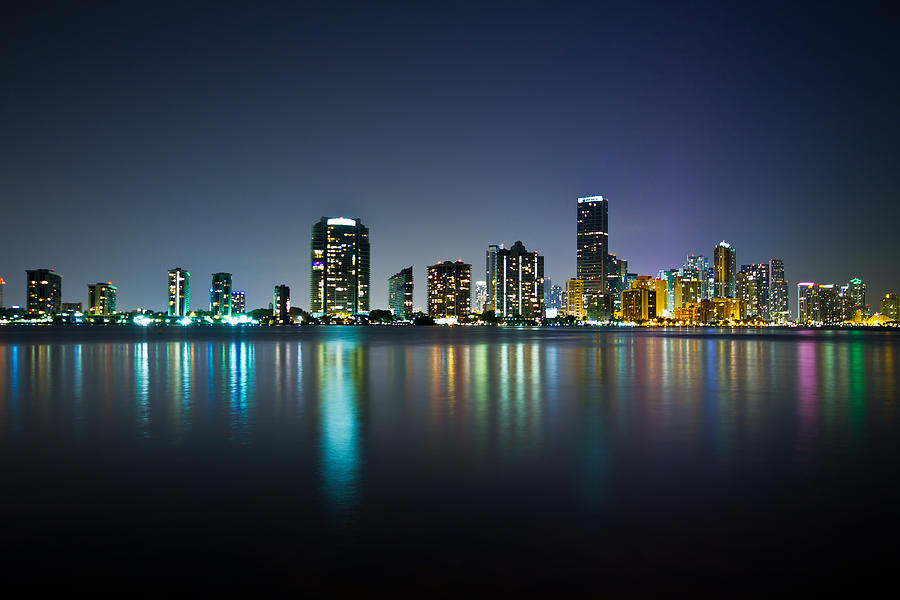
(436, 461)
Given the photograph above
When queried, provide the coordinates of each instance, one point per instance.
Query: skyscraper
(492, 275)
(856, 292)
(520, 283)
(699, 264)
(592, 238)
(339, 269)
(479, 296)
(725, 264)
(779, 307)
(238, 302)
(759, 272)
(449, 289)
(179, 292)
(281, 304)
(102, 298)
(44, 296)
(2, 284)
(575, 299)
(890, 306)
(747, 287)
(400, 293)
(220, 295)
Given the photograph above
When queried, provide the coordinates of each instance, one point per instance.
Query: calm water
(446, 461)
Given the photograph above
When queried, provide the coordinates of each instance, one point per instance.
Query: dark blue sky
(138, 139)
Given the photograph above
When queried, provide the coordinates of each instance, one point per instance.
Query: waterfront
(338, 458)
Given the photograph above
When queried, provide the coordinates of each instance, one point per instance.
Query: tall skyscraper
(856, 292)
(238, 302)
(339, 270)
(669, 276)
(102, 298)
(281, 304)
(492, 275)
(44, 296)
(592, 239)
(779, 307)
(699, 264)
(179, 292)
(890, 306)
(479, 296)
(616, 278)
(575, 299)
(449, 289)
(747, 287)
(400, 293)
(760, 305)
(520, 283)
(725, 264)
(220, 295)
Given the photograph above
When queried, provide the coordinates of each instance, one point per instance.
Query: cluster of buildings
(514, 288)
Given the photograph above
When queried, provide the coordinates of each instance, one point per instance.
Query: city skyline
(742, 124)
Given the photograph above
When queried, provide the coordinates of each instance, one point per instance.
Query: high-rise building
(699, 264)
(725, 265)
(575, 299)
(479, 296)
(616, 277)
(890, 306)
(639, 303)
(339, 269)
(400, 293)
(856, 292)
(520, 283)
(807, 303)
(2, 284)
(748, 290)
(281, 304)
(669, 276)
(556, 297)
(592, 243)
(44, 296)
(220, 295)
(102, 298)
(449, 289)
(492, 274)
(759, 272)
(779, 307)
(238, 302)
(179, 292)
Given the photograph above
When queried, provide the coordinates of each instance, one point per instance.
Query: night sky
(139, 139)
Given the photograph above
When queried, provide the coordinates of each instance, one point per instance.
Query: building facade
(779, 306)
(592, 238)
(339, 266)
(492, 274)
(281, 304)
(639, 304)
(2, 285)
(238, 302)
(725, 266)
(44, 292)
(400, 293)
(890, 306)
(102, 298)
(220, 295)
(449, 289)
(856, 293)
(479, 296)
(575, 299)
(179, 292)
(519, 283)
(759, 272)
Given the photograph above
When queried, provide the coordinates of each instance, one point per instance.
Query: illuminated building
(102, 298)
(2, 283)
(687, 290)
(492, 275)
(592, 243)
(661, 287)
(339, 266)
(725, 265)
(779, 307)
(819, 304)
(616, 277)
(71, 307)
(639, 304)
(699, 264)
(759, 272)
(856, 293)
(599, 307)
(44, 292)
(748, 290)
(890, 306)
(479, 296)
(400, 293)
(807, 303)
(220, 295)
(575, 299)
(669, 277)
(449, 288)
(179, 292)
(519, 286)
(555, 297)
(281, 304)
(238, 302)
(730, 309)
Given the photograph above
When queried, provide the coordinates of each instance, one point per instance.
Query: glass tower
(339, 269)
(220, 295)
(725, 265)
(400, 293)
(179, 292)
(592, 243)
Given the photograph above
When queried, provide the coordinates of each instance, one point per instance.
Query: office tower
(806, 299)
(400, 293)
(492, 274)
(2, 284)
(556, 297)
(575, 299)
(102, 298)
(179, 292)
(669, 275)
(760, 272)
(779, 308)
(548, 285)
(661, 287)
(890, 306)
(339, 269)
(220, 295)
(616, 280)
(700, 265)
(44, 292)
(281, 304)
(856, 292)
(639, 304)
(479, 296)
(238, 302)
(449, 288)
(819, 304)
(520, 283)
(725, 264)
(592, 243)
(747, 288)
